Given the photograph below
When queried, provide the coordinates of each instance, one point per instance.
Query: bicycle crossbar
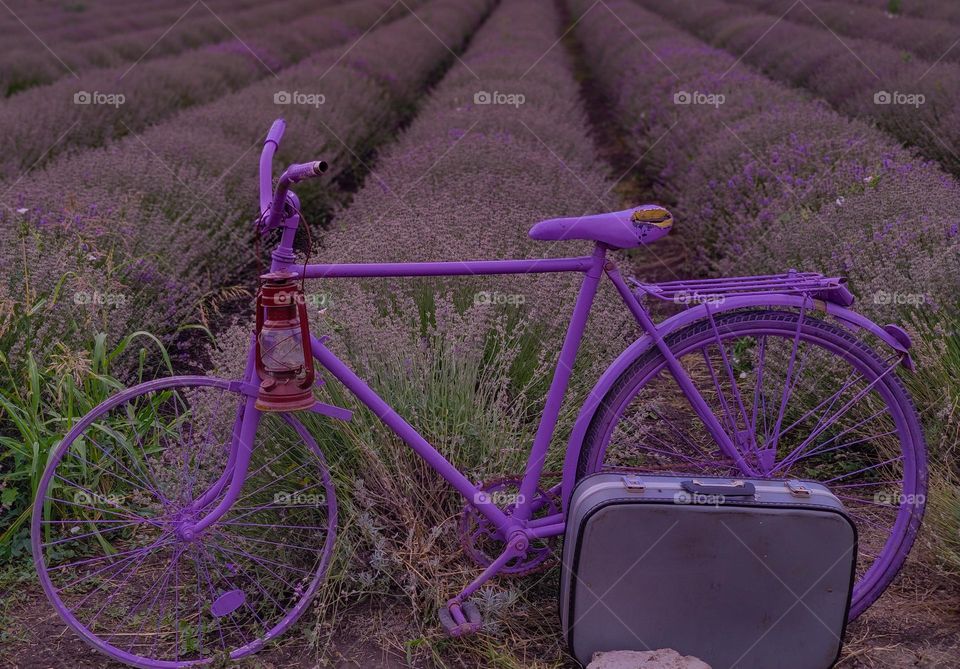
(447, 268)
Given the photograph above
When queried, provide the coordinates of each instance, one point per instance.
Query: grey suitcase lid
(768, 498)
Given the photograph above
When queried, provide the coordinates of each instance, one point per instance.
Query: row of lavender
(98, 106)
(914, 101)
(929, 38)
(941, 10)
(767, 179)
(94, 18)
(146, 229)
(502, 142)
(79, 21)
(34, 63)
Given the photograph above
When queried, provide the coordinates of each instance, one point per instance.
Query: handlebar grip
(297, 173)
(276, 132)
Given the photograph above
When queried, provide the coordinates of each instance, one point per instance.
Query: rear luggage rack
(829, 289)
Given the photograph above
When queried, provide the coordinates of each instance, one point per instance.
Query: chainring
(482, 541)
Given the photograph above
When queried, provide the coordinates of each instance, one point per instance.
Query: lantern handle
(261, 371)
(310, 376)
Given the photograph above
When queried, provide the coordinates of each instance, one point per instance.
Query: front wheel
(107, 520)
(801, 398)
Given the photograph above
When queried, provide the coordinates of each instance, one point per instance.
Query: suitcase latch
(633, 482)
(797, 489)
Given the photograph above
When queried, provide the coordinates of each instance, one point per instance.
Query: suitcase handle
(732, 489)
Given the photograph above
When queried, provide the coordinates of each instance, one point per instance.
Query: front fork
(238, 462)
(683, 379)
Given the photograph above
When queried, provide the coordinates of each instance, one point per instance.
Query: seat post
(561, 379)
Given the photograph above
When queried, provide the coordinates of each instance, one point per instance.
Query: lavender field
(817, 135)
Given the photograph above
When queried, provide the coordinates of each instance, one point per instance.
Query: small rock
(664, 658)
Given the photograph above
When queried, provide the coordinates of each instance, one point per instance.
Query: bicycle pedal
(471, 624)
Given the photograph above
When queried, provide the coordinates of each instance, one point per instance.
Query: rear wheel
(801, 398)
(107, 527)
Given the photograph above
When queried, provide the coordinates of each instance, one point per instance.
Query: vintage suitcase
(745, 574)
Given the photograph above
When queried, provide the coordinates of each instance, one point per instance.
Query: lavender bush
(913, 100)
(33, 64)
(80, 21)
(768, 179)
(41, 123)
(928, 38)
(86, 20)
(942, 10)
(806, 187)
(127, 205)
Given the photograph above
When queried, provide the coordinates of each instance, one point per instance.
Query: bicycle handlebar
(270, 145)
(276, 132)
(274, 201)
(293, 174)
(297, 173)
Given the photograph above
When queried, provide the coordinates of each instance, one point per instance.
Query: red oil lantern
(284, 361)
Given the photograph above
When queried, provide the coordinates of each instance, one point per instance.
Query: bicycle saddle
(618, 229)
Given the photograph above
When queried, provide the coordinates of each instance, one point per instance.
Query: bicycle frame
(173, 524)
(593, 267)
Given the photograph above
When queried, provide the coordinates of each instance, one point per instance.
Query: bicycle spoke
(122, 563)
(801, 399)
(822, 426)
(734, 386)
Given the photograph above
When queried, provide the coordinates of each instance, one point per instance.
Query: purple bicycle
(190, 519)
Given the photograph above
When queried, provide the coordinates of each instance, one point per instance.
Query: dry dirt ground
(915, 624)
